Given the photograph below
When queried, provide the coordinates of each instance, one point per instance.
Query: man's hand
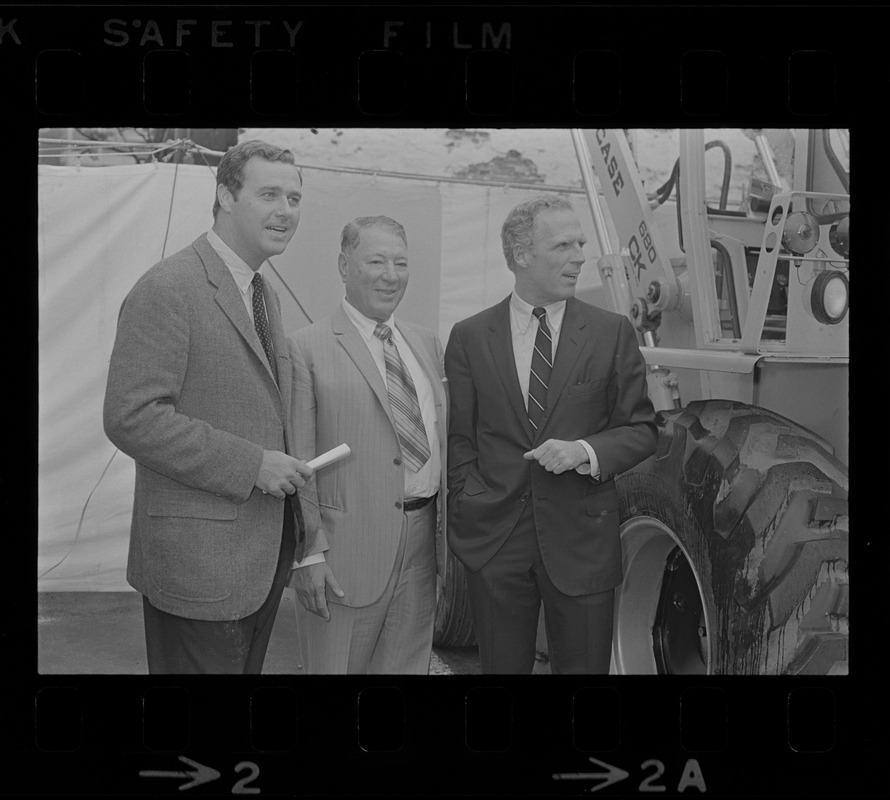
(557, 456)
(281, 474)
(309, 584)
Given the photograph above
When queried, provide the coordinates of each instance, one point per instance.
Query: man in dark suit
(548, 403)
(199, 395)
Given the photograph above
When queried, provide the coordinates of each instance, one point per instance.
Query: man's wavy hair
(230, 172)
(519, 226)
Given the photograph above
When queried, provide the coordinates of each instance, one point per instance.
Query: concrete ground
(102, 633)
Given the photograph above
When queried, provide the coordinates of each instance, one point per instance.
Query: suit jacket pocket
(602, 502)
(190, 561)
(192, 505)
(589, 386)
(474, 485)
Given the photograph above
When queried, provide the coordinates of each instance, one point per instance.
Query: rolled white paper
(340, 451)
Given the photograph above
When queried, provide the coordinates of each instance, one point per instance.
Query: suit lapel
(229, 299)
(500, 341)
(351, 341)
(572, 338)
(279, 344)
(426, 359)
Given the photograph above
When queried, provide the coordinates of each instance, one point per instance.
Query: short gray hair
(519, 226)
(349, 239)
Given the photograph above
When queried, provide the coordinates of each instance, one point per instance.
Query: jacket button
(523, 497)
(397, 461)
(398, 504)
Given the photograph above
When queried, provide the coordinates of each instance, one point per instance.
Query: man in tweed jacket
(199, 395)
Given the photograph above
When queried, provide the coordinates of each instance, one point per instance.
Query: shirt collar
(523, 317)
(241, 272)
(366, 326)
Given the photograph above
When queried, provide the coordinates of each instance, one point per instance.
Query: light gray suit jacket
(340, 396)
(191, 398)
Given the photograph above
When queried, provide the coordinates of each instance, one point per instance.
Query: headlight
(830, 297)
(801, 232)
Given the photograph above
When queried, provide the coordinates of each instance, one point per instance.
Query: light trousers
(393, 635)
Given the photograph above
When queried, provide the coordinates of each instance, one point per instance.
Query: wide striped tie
(542, 366)
(261, 323)
(403, 401)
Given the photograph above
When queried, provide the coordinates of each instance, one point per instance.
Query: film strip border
(83, 735)
(482, 736)
(510, 65)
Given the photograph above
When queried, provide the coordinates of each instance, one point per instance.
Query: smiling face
(375, 272)
(262, 219)
(548, 270)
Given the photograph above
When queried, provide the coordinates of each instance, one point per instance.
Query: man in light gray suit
(199, 395)
(366, 593)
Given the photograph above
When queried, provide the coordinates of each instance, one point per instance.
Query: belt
(420, 502)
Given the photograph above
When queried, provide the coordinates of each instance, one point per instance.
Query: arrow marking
(610, 776)
(199, 774)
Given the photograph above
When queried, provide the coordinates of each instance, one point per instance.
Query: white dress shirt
(524, 330)
(425, 482)
(241, 272)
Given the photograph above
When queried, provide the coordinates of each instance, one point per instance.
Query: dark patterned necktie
(403, 401)
(542, 366)
(261, 322)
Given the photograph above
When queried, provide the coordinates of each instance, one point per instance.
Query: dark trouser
(196, 646)
(505, 597)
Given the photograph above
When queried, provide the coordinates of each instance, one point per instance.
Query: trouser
(196, 646)
(505, 598)
(393, 635)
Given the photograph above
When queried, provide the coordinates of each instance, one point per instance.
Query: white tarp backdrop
(100, 228)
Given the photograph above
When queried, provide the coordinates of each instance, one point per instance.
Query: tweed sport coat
(191, 398)
(339, 397)
(597, 392)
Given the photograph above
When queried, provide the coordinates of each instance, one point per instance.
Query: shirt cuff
(316, 558)
(593, 468)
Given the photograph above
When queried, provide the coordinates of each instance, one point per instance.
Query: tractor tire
(740, 520)
(454, 622)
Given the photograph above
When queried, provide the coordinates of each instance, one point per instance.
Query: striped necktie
(542, 366)
(261, 322)
(403, 401)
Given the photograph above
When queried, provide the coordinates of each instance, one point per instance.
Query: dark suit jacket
(191, 398)
(597, 393)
